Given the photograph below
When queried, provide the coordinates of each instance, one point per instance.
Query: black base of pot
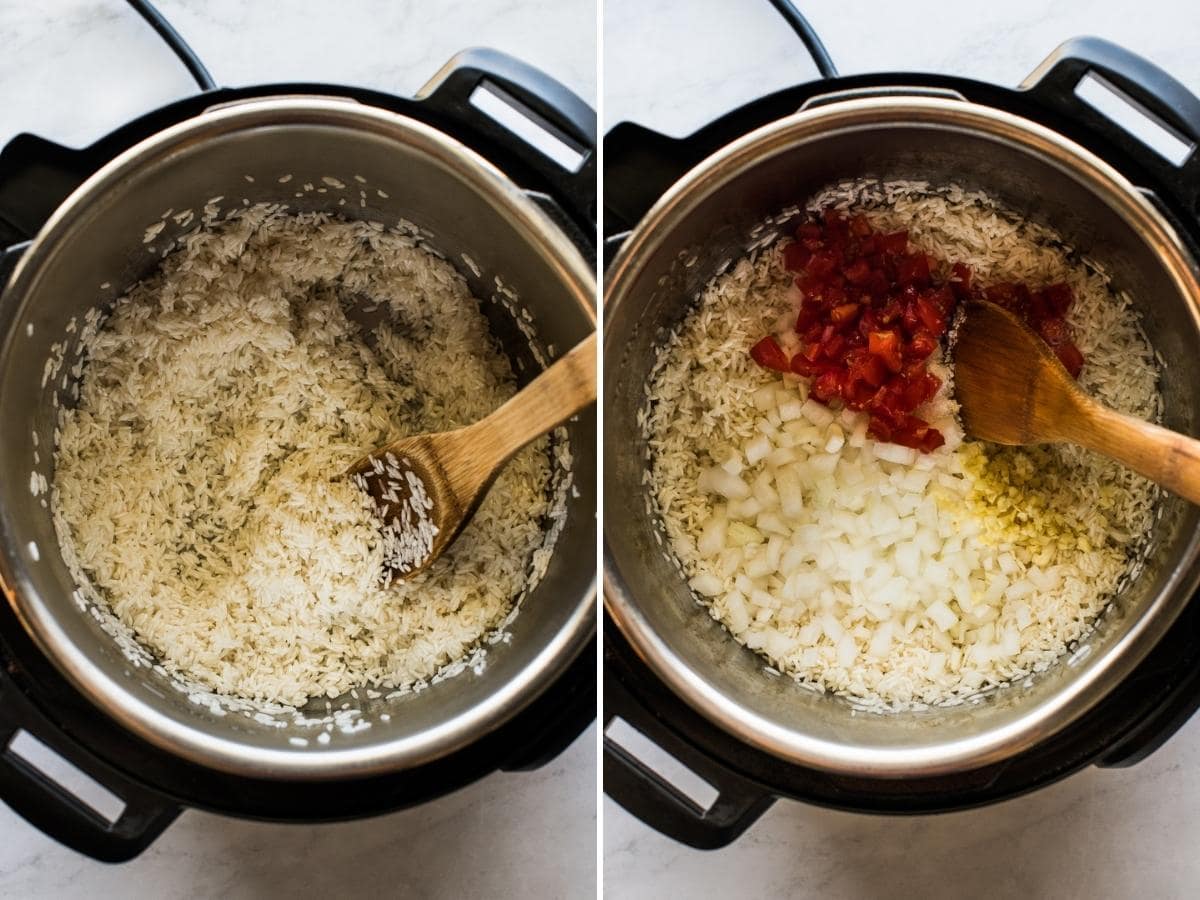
(1136, 719)
(155, 785)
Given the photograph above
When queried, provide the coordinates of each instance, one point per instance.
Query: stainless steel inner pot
(711, 215)
(412, 172)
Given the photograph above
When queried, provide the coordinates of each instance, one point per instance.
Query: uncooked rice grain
(197, 490)
(1040, 574)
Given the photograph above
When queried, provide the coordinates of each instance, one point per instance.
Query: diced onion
(740, 534)
(757, 449)
(720, 481)
(894, 453)
(828, 549)
(709, 585)
(817, 413)
(943, 617)
(712, 538)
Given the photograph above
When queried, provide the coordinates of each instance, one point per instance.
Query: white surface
(1100, 834)
(674, 66)
(72, 70)
(1118, 833)
(520, 835)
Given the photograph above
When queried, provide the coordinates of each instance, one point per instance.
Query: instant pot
(676, 211)
(517, 224)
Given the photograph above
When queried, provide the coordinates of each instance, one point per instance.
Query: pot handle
(58, 813)
(648, 796)
(639, 166)
(10, 255)
(532, 95)
(557, 718)
(1160, 97)
(36, 176)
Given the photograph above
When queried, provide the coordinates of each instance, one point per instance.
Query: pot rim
(1116, 660)
(176, 735)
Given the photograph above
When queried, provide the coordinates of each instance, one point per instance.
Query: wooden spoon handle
(554, 396)
(1164, 456)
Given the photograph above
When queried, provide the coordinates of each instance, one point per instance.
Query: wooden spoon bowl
(1013, 390)
(426, 488)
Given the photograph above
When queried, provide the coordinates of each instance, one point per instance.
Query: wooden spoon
(427, 487)
(1013, 390)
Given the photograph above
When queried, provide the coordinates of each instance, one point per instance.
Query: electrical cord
(804, 31)
(177, 44)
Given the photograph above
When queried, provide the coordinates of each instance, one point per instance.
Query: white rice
(401, 501)
(1047, 534)
(197, 490)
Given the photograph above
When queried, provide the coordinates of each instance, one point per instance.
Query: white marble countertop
(1099, 834)
(71, 71)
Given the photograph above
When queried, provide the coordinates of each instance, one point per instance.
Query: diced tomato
(931, 441)
(833, 294)
(894, 243)
(913, 269)
(961, 280)
(811, 350)
(889, 399)
(835, 222)
(921, 346)
(868, 321)
(877, 284)
(796, 256)
(1069, 355)
(845, 313)
(891, 312)
(857, 394)
(834, 348)
(886, 346)
(879, 428)
(1053, 331)
(801, 365)
(810, 231)
(1003, 294)
(932, 319)
(827, 385)
(872, 314)
(1013, 296)
(858, 272)
(770, 355)
(810, 315)
(1059, 297)
(865, 367)
(920, 389)
(913, 368)
(821, 265)
(1038, 310)
(1024, 295)
(859, 226)
(943, 299)
(812, 334)
(925, 439)
(918, 434)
